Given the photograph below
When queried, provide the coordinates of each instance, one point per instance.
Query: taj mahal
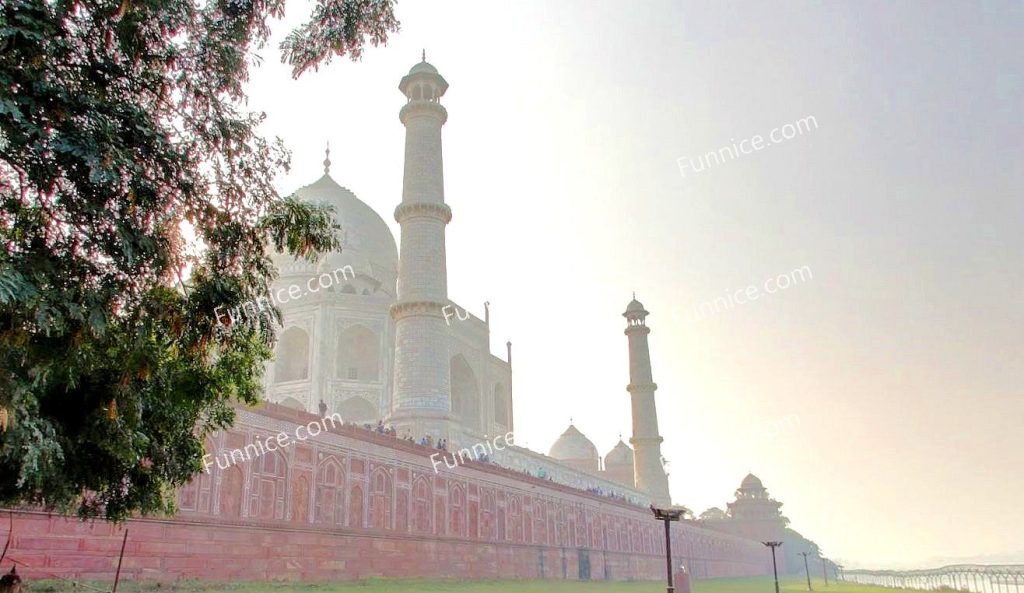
(381, 348)
(387, 345)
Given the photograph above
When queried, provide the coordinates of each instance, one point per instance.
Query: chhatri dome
(620, 454)
(753, 504)
(423, 66)
(751, 483)
(618, 464)
(575, 449)
(635, 306)
(423, 82)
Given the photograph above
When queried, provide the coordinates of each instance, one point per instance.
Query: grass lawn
(752, 585)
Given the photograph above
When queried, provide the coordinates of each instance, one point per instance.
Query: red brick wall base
(47, 546)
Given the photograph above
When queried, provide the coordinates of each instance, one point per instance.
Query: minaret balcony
(637, 329)
(413, 308)
(422, 108)
(436, 210)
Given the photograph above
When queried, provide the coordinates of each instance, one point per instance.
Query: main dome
(366, 241)
(573, 446)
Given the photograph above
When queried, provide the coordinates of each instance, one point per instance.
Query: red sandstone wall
(353, 504)
(44, 546)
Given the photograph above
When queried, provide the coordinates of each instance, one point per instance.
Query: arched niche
(329, 503)
(358, 410)
(500, 405)
(465, 393)
(358, 354)
(380, 499)
(292, 356)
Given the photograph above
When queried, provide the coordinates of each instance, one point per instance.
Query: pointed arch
(515, 518)
(291, 362)
(501, 405)
(267, 486)
(465, 393)
(329, 502)
(473, 522)
(358, 354)
(421, 505)
(196, 495)
(380, 499)
(230, 494)
(456, 503)
(487, 518)
(402, 510)
(358, 410)
(355, 507)
(300, 499)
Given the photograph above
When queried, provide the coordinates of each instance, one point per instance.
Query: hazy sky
(883, 400)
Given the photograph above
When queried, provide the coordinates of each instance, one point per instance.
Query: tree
(713, 514)
(137, 199)
(795, 543)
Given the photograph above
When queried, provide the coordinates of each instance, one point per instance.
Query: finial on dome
(424, 54)
(327, 160)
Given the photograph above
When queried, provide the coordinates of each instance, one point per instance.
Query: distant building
(756, 515)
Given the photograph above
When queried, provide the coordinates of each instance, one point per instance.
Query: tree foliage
(137, 197)
(713, 514)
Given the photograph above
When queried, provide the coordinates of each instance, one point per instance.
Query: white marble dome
(573, 446)
(367, 243)
(620, 454)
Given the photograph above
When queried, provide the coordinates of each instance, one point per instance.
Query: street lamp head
(772, 544)
(667, 514)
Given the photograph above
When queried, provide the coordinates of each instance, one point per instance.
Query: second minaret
(648, 469)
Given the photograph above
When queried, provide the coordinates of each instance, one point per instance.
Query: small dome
(423, 72)
(635, 310)
(620, 454)
(573, 446)
(423, 66)
(367, 243)
(751, 482)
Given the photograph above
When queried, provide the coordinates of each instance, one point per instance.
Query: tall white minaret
(648, 470)
(422, 386)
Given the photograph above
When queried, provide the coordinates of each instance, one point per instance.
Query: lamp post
(775, 568)
(668, 515)
(807, 571)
